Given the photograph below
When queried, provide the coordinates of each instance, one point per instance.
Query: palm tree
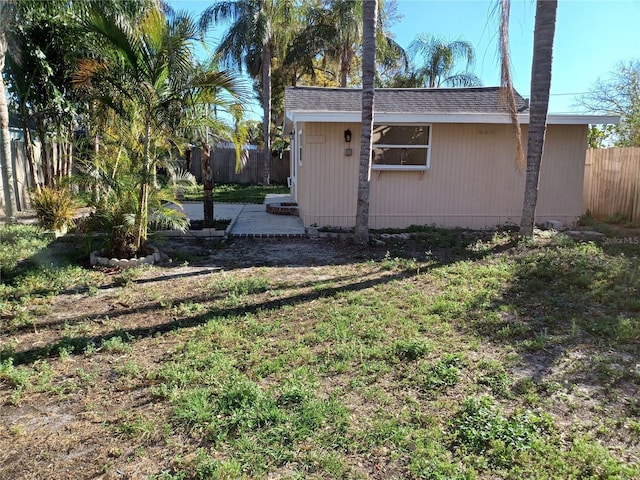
(259, 31)
(147, 76)
(335, 33)
(544, 32)
(46, 43)
(545, 26)
(10, 206)
(439, 58)
(370, 14)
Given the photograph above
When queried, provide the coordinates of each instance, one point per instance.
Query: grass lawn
(235, 193)
(444, 357)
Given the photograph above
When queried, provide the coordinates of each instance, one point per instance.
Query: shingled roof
(401, 100)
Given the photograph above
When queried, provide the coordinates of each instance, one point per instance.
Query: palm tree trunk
(370, 14)
(540, 85)
(6, 163)
(345, 62)
(141, 220)
(266, 105)
(207, 185)
(97, 188)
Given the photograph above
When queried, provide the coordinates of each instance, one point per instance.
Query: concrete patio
(250, 220)
(247, 220)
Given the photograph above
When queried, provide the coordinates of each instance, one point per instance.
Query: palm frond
(507, 91)
(462, 79)
(166, 218)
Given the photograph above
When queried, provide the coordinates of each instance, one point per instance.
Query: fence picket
(224, 164)
(612, 183)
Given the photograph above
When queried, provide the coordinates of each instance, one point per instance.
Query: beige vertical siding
(562, 174)
(327, 178)
(472, 182)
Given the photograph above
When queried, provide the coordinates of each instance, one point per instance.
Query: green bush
(55, 207)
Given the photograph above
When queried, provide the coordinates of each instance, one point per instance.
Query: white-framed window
(300, 147)
(401, 147)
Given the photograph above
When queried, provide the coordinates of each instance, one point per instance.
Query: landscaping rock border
(96, 258)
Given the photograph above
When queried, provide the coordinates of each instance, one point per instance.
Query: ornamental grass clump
(54, 206)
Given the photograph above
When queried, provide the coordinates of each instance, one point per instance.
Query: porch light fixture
(291, 135)
(347, 135)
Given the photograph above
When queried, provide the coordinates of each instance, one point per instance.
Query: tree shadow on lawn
(77, 345)
(444, 246)
(69, 321)
(573, 315)
(400, 271)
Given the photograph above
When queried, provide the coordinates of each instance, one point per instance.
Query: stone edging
(341, 236)
(96, 259)
(268, 235)
(205, 232)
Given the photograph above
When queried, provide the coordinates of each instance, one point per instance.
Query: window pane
(400, 156)
(400, 134)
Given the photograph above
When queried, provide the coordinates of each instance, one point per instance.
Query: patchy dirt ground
(265, 252)
(85, 415)
(91, 411)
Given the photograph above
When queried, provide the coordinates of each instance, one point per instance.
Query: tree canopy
(618, 94)
(439, 57)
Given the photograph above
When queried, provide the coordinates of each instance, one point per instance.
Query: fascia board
(490, 118)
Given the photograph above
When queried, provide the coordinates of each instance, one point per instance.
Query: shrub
(55, 207)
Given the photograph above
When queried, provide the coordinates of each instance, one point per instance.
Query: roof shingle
(401, 100)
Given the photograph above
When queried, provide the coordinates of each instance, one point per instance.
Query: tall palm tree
(545, 26)
(543, 36)
(6, 166)
(335, 33)
(259, 30)
(439, 58)
(370, 14)
(148, 70)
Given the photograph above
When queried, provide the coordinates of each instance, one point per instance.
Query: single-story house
(443, 156)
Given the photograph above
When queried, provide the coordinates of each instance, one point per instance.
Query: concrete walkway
(247, 220)
(250, 220)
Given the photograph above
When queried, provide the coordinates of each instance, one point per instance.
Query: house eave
(491, 118)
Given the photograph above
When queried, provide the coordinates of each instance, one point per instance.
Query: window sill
(400, 168)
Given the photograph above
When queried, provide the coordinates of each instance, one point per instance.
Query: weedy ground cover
(440, 357)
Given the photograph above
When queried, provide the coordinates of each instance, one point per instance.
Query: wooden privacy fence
(224, 166)
(58, 164)
(612, 183)
(224, 161)
(21, 175)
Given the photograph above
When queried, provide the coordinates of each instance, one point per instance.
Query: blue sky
(592, 37)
